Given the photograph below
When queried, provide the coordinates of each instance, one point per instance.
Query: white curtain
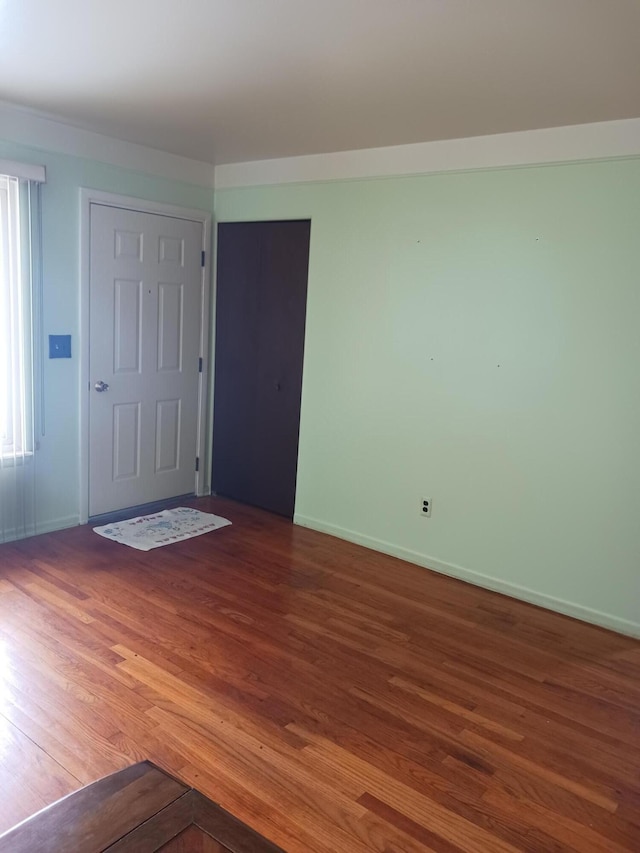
(19, 280)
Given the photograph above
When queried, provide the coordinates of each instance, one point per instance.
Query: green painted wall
(57, 462)
(475, 338)
(418, 289)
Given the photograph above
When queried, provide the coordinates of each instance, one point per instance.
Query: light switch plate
(59, 346)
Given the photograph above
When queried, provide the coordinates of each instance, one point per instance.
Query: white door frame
(88, 197)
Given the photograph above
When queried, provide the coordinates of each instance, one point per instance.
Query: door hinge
(197, 463)
(203, 258)
(200, 365)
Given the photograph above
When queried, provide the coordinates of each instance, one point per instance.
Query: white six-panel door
(144, 317)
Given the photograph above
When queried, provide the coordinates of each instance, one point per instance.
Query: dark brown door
(260, 316)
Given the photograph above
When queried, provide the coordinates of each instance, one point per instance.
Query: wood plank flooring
(332, 698)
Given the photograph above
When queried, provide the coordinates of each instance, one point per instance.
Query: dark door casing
(260, 320)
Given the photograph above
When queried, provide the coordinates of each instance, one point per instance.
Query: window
(20, 270)
(15, 321)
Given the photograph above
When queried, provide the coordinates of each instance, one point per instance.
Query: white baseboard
(578, 611)
(58, 524)
(44, 527)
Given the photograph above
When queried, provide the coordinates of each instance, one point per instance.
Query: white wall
(57, 461)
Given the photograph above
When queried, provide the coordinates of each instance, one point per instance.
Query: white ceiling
(226, 81)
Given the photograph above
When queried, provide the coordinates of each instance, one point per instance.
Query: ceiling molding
(600, 140)
(37, 130)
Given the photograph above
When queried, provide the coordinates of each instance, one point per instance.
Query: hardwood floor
(332, 698)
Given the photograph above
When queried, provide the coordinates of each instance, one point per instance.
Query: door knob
(101, 386)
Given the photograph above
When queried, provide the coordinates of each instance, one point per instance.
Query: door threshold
(141, 509)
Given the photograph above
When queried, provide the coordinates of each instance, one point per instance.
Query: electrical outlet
(425, 508)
